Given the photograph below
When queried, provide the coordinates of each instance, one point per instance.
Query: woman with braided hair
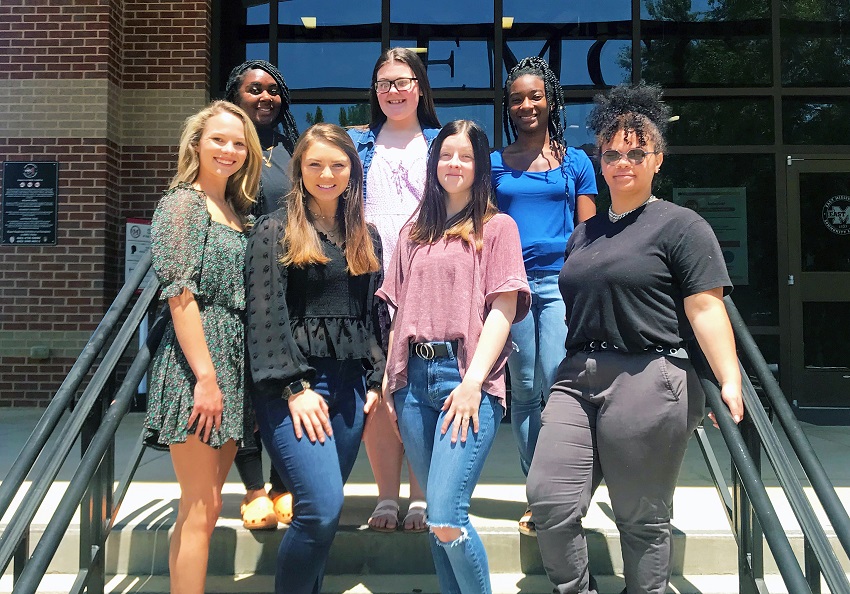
(546, 187)
(640, 282)
(259, 89)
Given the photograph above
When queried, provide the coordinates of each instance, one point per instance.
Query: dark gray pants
(627, 419)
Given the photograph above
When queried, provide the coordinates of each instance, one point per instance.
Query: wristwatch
(294, 388)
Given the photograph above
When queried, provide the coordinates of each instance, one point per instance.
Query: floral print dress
(190, 251)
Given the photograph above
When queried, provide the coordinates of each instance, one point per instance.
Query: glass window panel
(328, 65)
(704, 122)
(704, 10)
(822, 10)
(259, 51)
(758, 300)
(676, 59)
(523, 49)
(813, 121)
(343, 114)
(452, 65)
(600, 63)
(567, 12)
(576, 132)
(258, 15)
(330, 12)
(825, 222)
(815, 53)
(481, 114)
(462, 64)
(441, 12)
(825, 343)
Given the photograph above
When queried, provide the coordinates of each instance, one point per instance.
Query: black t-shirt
(625, 282)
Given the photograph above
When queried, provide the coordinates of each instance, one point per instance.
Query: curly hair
(289, 131)
(631, 108)
(538, 67)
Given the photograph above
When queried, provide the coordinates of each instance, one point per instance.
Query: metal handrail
(822, 486)
(17, 530)
(820, 556)
(47, 423)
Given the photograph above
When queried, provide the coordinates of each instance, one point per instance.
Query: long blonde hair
(301, 243)
(242, 186)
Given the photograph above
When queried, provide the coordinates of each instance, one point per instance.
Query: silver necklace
(614, 217)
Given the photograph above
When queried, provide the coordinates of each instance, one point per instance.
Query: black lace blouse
(318, 311)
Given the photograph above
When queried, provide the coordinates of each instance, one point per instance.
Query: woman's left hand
(462, 410)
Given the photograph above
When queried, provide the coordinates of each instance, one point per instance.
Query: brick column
(101, 86)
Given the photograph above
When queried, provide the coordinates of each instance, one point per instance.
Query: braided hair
(630, 108)
(288, 130)
(538, 67)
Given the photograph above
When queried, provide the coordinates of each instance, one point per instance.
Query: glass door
(819, 281)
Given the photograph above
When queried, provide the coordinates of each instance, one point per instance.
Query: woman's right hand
(309, 413)
(389, 404)
(206, 411)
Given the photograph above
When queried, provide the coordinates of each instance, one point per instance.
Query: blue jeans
(539, 340)
(315, 473)
(448, 471)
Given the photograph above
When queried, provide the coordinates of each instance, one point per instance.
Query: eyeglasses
(635, 156)
(401, 84)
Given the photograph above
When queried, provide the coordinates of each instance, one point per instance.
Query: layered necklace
(328, 226)
(614, 217)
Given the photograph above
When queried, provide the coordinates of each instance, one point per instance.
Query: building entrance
(818, 332)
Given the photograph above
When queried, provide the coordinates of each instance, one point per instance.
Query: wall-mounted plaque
(30, 202)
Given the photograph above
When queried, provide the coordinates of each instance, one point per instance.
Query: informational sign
(30, 202)
(137, 244)
(725, 209)
(836, 214)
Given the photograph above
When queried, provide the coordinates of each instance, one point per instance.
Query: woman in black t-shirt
(639, 281)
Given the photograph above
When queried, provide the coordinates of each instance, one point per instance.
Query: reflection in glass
(547, 13)
(825, 343)
(601, 63)
(481, 114)
(815, 45)
(675, 59)
(441, 12)
(704, 10)
(705, 122)
(576, 132)
(759, 300)
(825, 222)
(328, 65)
(815, 121)
(459, 64)
(330, 12)
(259, 51)
(342, 114)
(258, 15)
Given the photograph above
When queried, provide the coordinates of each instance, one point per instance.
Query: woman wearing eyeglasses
(394, 151)
(639, 282)
(547, 188)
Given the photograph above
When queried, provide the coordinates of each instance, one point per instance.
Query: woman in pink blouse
(447, 353)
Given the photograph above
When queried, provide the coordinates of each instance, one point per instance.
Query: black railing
(94, 420)
(751, 514)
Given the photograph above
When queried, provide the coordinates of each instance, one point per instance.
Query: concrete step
(394, 584)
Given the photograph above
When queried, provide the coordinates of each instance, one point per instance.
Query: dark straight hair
(426, 113)
(431, 223)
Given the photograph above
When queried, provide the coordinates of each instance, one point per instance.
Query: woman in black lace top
(314, 342)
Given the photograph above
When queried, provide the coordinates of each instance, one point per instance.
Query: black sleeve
(374, 314)
(274, 357)
(696, 260)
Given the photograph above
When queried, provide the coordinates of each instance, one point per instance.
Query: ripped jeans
(448, 471)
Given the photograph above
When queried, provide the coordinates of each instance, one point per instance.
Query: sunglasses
(401, 84)
(635, 156)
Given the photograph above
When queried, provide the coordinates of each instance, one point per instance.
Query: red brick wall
(113, 165)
